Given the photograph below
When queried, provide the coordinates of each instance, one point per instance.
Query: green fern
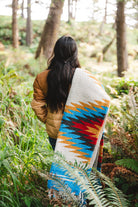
(128, 163)
(78, 172)
(113, 194)
(90, 183)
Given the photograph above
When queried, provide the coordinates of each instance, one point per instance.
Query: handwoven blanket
(80, 136)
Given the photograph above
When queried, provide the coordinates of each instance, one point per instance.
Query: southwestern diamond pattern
(80, 135)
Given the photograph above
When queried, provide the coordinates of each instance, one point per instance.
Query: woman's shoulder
(43, 75)
(41, 79)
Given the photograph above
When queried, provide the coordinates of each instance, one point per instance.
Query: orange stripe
(96, 81)
(89, 105)
(94, 131)
(106, 103)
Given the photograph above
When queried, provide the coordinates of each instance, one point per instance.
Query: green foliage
(25, 153)
(128, 163)
(22, 141)
(129, 188)
(90, 183)
(125, 85)
(23, 147)
(122, 136)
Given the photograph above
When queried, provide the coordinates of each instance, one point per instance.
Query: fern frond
(89, 182)
(91, 188)
(85, 185)
(115, 196)
(128, 163)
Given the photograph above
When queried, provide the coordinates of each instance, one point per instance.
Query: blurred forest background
(108, 47)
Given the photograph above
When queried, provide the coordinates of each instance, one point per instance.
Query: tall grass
(23, 140)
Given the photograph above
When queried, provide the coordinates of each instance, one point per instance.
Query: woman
(51, 87)
(80, 135)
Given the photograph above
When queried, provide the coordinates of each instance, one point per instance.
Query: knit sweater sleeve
(38, 103)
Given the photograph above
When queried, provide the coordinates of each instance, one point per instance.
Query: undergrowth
(25, 152)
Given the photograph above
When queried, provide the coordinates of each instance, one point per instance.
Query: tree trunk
(72, 9)
(104, 19)
(105, 14)
(76, 1)
(28, 24)
(22, 9)
(15, 42)
(69, 12)
(122, 57)
(50, 31)
(105, 49)
(93, 10)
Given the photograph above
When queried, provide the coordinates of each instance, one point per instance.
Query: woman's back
(51, 87)
(62, 66)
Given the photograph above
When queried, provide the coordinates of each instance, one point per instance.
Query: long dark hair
(62, 65)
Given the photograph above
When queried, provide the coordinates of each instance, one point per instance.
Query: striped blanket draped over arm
(80, 136)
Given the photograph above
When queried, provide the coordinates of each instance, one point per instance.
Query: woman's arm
(39, 101)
